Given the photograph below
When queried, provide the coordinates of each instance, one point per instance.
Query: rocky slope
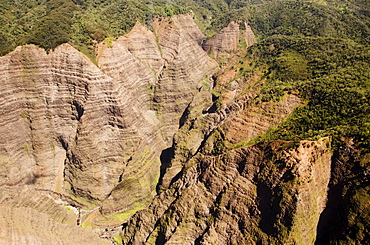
(264, 194)
(217, 191)
(27, 226)
(156, 144)
(225, 44)
(92, 137)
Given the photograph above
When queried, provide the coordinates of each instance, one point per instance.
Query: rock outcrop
(92, 137)
(225, 43)
(186, 64)
(217, 191)
(154, 139)
(27, 226)
(250, 39)
(228, 41)
(251, 195)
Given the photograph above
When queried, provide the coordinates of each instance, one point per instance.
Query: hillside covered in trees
(49, 23)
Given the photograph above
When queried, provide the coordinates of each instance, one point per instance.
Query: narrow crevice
(63, 143)
(198, 241)
(184, 117)
(329, 216)
(176, 178)
(267, 209)
(332, 221)
(161, 238)
(79, 108)
(165, 158)
(213, 107)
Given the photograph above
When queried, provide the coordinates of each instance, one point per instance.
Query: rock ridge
(93, 136)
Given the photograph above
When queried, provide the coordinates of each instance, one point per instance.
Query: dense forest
(49, 23)
(319, 50)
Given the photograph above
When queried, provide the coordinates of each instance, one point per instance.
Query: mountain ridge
(258, 138)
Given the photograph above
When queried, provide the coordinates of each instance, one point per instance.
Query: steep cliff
(27, 226)
(218, 190)
(92, 137)
(160, 144)
(264, 194)
(225, 44)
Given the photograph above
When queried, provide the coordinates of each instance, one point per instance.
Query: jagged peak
(139, 28)
(232, 24)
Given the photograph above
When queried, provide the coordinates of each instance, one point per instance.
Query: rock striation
(250, 39)
(156, 137)
(216, 190)
(250, 195)
(91, 137)
(27, 226)
(225, 44)
(186, 64)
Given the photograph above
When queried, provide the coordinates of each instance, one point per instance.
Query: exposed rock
(27, 226)
(250, 195)
(215, 192)
(187, 65)
(142, 43)
(141, 140)
(186, 22)
(93, 136)
(225, 43)
(250, 39)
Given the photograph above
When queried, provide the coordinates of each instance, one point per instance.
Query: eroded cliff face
(92, 137)
(27, 226)
(263, 194)
(226, 43)
(216, 190)
(144, 134)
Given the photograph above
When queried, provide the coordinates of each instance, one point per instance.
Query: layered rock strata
(216, 191)
(250, 195)
(27, 226)
(250, 38)
(228, 41)
(186, 64)
(92, 137)
(92, 145)
(223, 44)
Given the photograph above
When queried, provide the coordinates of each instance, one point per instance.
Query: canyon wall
(228, 41)
(91, 136)
(263, 194)
(142, 149)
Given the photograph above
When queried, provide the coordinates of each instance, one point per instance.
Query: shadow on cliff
(348, 177)
(276, 211)
(166, 157)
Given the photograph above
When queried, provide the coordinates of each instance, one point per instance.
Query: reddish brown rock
(248, 195)
(222, 45)
(93, 136)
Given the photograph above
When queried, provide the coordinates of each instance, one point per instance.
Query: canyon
(153, 144)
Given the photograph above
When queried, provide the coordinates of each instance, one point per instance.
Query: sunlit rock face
(93, 135)
(262, 194)
(138, 138)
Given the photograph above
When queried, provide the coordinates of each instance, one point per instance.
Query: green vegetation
(48, 23)
(330, 75)
(117, 239)
(318, 50)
